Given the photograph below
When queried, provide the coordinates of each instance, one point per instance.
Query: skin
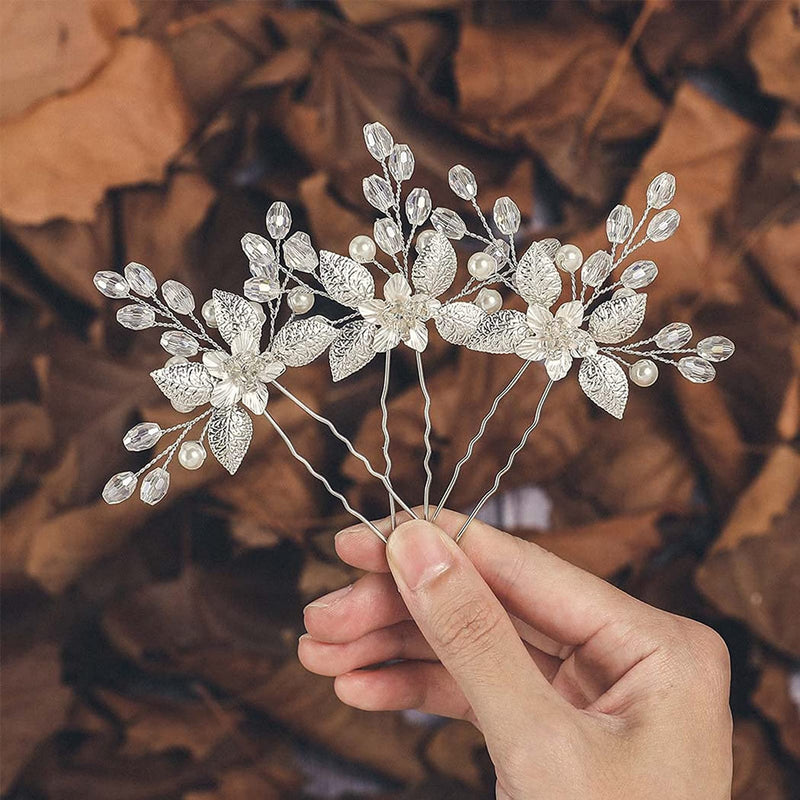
(580, 690)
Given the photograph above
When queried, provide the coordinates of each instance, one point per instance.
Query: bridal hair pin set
(222, 386)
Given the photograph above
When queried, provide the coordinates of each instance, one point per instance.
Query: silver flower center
(403, 315)
(244, 369)
(558, 336)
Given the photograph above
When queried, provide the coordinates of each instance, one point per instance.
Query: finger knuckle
(466, 628)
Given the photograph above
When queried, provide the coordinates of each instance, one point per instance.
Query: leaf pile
(149, 653)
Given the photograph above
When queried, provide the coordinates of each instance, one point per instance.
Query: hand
(580, 690)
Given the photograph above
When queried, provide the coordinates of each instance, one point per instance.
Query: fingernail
(349, 530)
(328, 600)
(418, 553)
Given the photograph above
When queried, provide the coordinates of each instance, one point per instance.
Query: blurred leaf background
(149, 653)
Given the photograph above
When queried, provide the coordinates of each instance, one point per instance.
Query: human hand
(580, 690)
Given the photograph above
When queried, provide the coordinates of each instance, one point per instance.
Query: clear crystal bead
(154, 486)
(506, 215)
(142, 436)
(462, 182)
(119, 487)
(401, 162)
(378, 140)
(596, 268)
(140, 279)
(178, 297)
(500, 251)
(136, 317)
(299, 253)
(279, 220)
(179, 343)
(663, 225)
(661, 190)
(259, 252)
(639, 274)
(696, 369)
(262, 289)
(378, 192)
(387, 236)
(111, 284)
(674, 336)
(448, 222)
(550, 247)
(715, 348)
(619, 224)
(418, 206)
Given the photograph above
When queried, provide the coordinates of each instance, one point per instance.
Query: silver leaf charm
(352, 349)
(604, 382)
(229, 433)
(187, 384)
(345, 280)
(500, 332)
(618, 319)
(298, 343)
(435, 267)
(234, 315)
(457, 322)
(537, 279)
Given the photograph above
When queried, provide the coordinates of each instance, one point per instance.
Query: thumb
(468, 629)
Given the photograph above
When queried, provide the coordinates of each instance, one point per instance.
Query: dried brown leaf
(774, 49)
(779, 704)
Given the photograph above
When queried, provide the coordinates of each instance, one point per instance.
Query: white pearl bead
(191, 455)
(362, 249)
(490, 300)
(183, 408)
(176, 360)
(569, 258)
(644, 372)
(624, 292)
(300, 299)
(259, 309)
(424, 239)
(481, 266)
(209, 313)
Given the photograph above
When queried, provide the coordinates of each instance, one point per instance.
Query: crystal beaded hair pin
(223, 384)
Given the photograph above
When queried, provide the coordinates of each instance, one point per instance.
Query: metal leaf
(618, 319)
(500, 332)
(299, 342)
(345, 280)
(604, 382)
(188, 384)
(352, 349)
(457, 322)
(435, 267)
(234, 314)
(537, 279)
(229, 433)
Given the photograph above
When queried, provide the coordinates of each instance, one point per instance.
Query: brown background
(149, 653)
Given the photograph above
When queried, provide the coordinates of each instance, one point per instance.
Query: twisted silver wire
(321, 478)
(514, 453)
(427, 437)
(386, 437)
(481, 430)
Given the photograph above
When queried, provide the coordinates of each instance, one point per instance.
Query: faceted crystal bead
(179, 343)
(279, 220)
(154, 486)
(261, 289)
(401, 162)
(639, 274)
(696, 369)
(259, 252)
(619, 224)
(136, 317)
(674, 336)
(299, 253)
(418, 206)
(387, 236)
(500, 251)
(178, 297)
(119, 487)
(506, 215)
(448, 222)
(111, 284)
(663, 225)
(142, 436)
(596, 268)
(462, 182)
(378, 140)
(140, 279)
(378, 192)
(550, 247)
(715, 348)
(661, 190)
